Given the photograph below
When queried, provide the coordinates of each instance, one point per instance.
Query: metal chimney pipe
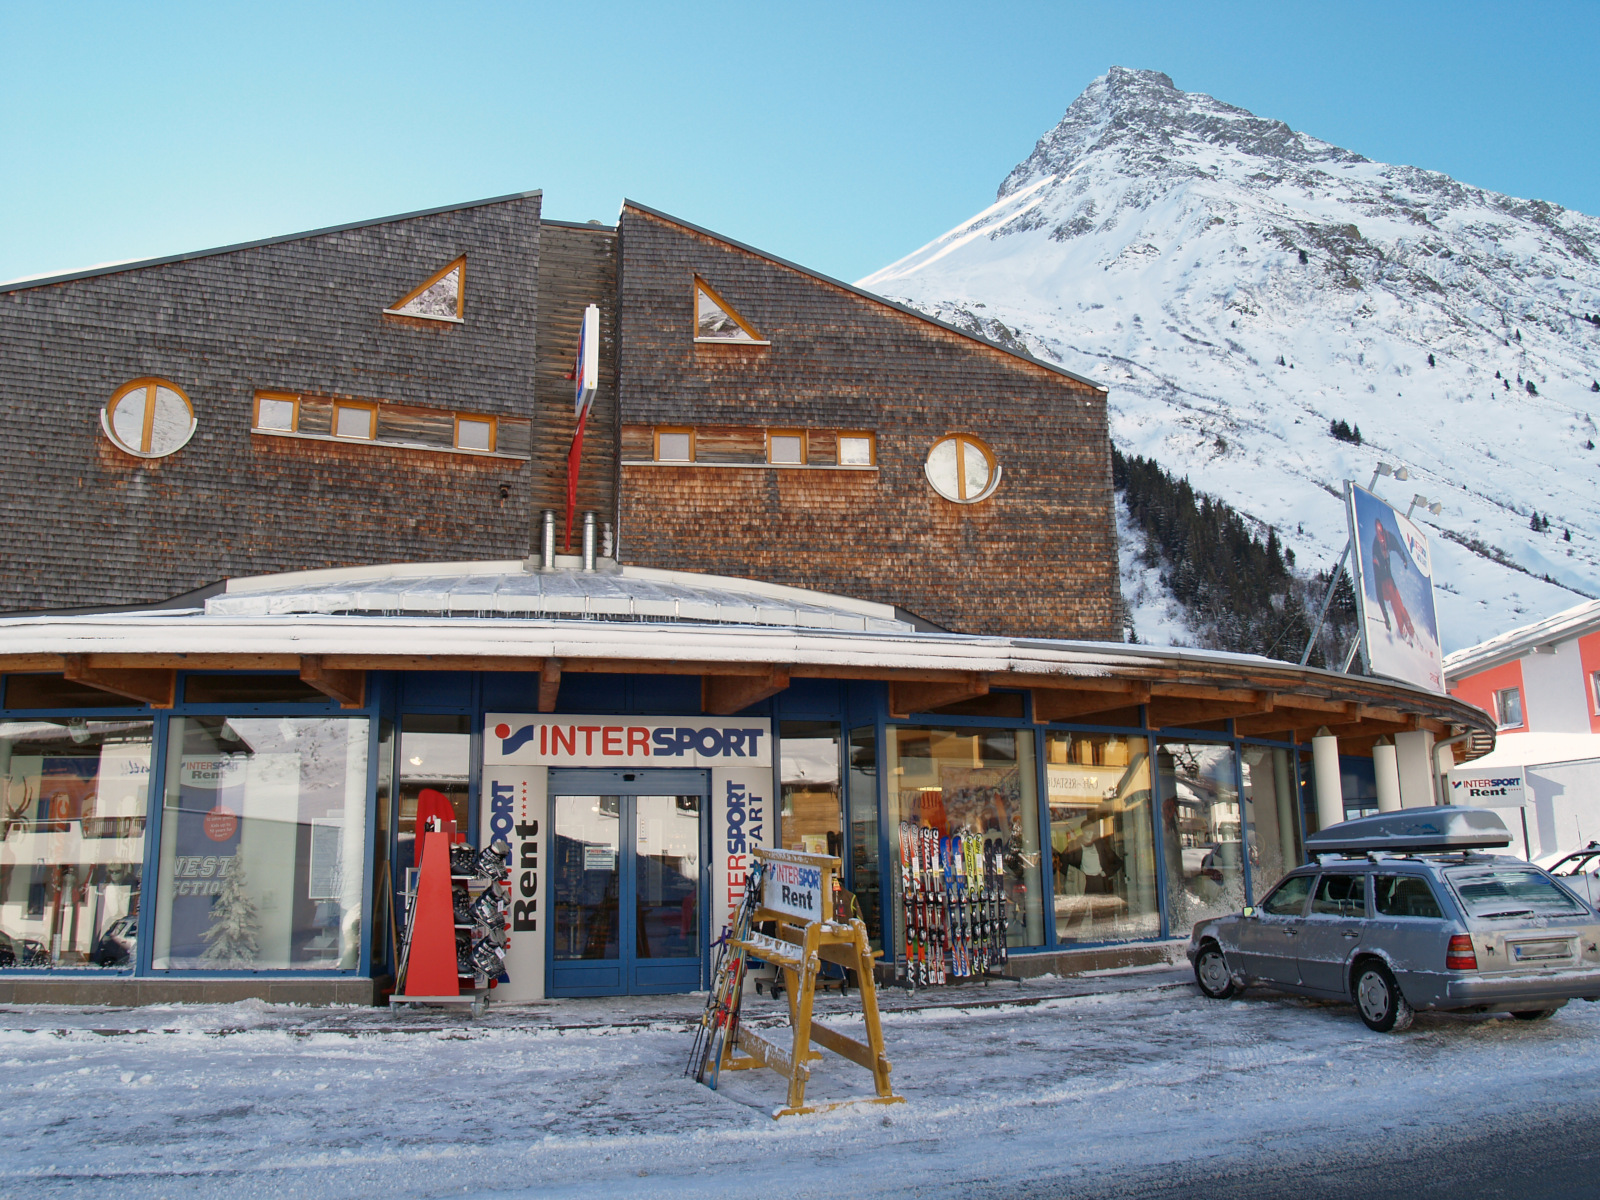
(547, 541)
(588, 541)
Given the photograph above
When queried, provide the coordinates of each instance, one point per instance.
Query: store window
(435, 754)
(475, 433)
(811, 816)
(1271, 815)
(355, 421)
(1200, 830)
(440, 297)
(857, 450)
(73, 799)
(263, 843)
(1102, 837)
(786, 447)
(864, 831)
(1508, 708)
(962, 469)
(715, 320)
(674, 445)
(148, 418)
(975, 782)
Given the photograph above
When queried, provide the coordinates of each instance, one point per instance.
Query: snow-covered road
(1127, 1094)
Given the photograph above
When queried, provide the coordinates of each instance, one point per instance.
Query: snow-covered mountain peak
(1240, 286)
(1145, 118)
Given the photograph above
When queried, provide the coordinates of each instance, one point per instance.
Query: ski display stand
(797, 896)
(953, 907)
(455, 926)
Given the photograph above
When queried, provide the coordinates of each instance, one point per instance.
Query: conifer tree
(231, 937)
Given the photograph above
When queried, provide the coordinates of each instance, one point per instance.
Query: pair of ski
(719, 1023)
(923, 898)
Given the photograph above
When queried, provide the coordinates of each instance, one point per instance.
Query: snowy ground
(1128, 1092)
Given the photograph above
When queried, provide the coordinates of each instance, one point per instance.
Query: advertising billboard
(1394, 593)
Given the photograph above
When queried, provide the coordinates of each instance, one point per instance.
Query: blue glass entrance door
(627, 883)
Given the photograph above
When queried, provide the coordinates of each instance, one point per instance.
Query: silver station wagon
(1404, 911)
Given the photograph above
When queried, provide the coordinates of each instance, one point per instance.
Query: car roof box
(1413, 830)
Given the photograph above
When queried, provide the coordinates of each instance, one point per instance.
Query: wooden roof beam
(348, 687)
(549, 683)
(724, 695)
(154, 686)
(1052, 705)
(1166, 713)
(906, 697)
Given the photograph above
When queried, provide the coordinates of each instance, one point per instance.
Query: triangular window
(716, 321)
(440, 297)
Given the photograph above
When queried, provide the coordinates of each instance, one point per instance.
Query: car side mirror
(1249, 911)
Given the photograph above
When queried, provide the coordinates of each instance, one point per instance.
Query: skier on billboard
(1384, 544)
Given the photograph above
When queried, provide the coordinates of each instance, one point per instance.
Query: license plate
(1541, 951)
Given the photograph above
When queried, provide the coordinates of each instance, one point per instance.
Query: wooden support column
(348, 687)
(1053, 705)
(549, 684)
(908, 696)
(724, 695)
(155, 686)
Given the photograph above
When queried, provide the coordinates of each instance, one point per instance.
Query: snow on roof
(1569, 623)
(509, 589)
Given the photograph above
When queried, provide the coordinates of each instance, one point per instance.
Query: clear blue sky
(840, 135)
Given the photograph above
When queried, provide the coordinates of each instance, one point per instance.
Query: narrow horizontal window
(355, 421)
(786, 448)
(857, 450)
(674, 445)
(277, 411)
(475, 433)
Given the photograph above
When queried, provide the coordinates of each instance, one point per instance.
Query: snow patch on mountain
(1151, 613)
(1239, 285)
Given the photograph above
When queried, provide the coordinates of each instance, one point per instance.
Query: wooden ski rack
(798, 895)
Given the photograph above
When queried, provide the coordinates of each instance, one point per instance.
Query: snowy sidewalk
(1095, 1094)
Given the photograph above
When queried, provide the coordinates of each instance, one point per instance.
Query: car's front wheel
(1378, 999)
(1212, 974)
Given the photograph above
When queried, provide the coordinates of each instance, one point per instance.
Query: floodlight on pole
(1422, 502)
(1382, 468)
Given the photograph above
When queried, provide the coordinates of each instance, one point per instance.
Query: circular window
(149, 418)
(961, 468)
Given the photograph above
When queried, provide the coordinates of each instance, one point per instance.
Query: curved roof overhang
(139, 654)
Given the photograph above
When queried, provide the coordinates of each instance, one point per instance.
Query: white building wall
(1553, 697)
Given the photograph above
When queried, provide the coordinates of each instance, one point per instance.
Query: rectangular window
(857, 450)
(436, 755)
(263, 842)
(1272, 828)
(277, 411)
(250, 689)
(1200, 831)
(811, 819)
(475, 433)
(1102, 838)
(786, 447)
(981, 783)
(1340, 895)
(1594, 691)
(1404, 896)
(57, 691)
(355, 421)
(1508, 708)
(674, 445)
(73, 797)
(864, 868)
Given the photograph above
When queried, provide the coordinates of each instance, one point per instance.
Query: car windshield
(1574, 864)
(1503, 892)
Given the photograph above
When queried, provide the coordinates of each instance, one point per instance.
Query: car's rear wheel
(1211, 972)
(1535, 1014)
(1378, 999)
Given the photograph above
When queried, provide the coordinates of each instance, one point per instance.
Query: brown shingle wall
(88, 524)
(1037, 558)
